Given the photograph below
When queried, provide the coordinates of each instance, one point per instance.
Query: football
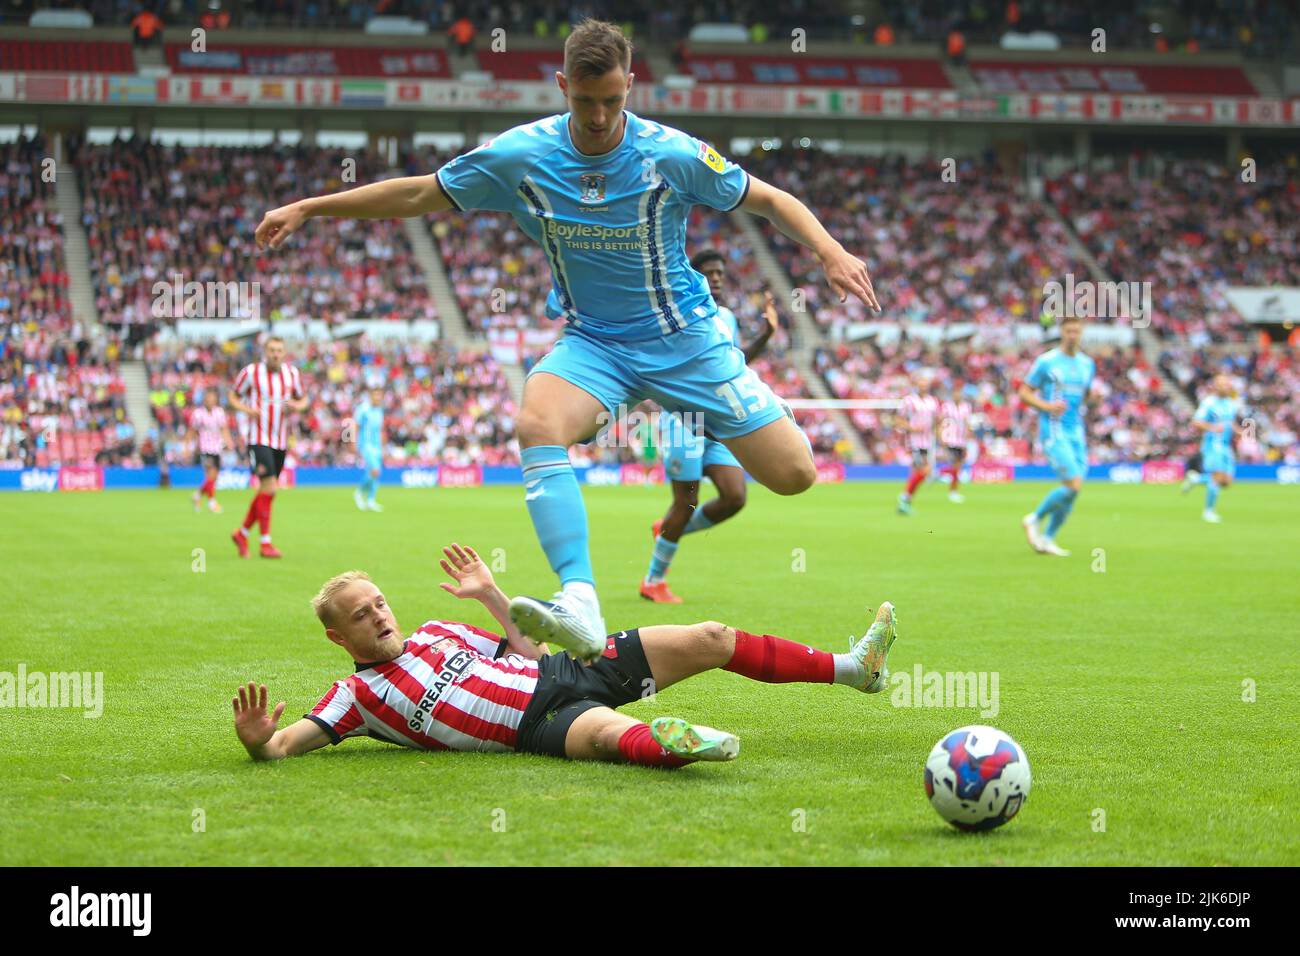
(977, 778)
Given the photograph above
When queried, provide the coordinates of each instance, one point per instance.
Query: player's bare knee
(715, 641)
(792, 478)
(605, 742)
(729, 504)
(533, 429)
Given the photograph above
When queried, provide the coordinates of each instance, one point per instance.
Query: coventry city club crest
(593, 187)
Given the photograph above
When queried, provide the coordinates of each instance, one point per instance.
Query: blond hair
(594, 48)
(323, 602)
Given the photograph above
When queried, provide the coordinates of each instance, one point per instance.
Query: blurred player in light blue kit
(688, 456)
(607, 194)
(1058, 385)
(369, 423)
(1216, 420)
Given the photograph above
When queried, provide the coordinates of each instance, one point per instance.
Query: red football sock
(264, 515)
(638, 746)
(254, 509)
(209, 489)
(774, 660)
(956, 479)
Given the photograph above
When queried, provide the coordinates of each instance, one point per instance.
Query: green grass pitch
(1124, 672)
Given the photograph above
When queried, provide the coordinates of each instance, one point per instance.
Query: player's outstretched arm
(398, 198)
(256, 730)
(846, 273)
(474, 580)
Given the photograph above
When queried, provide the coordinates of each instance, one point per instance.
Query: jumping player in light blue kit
(1058, 385)
(607, 194)
(688, 457)
(369, 421)
(1216, 420)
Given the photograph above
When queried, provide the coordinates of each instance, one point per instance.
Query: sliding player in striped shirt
(209, 420)
(266, 392)
(453, 686)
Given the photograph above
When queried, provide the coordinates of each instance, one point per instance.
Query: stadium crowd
(1191, 230)
(950, 244)
(1266, 27)
(61, 398)
(152, 212)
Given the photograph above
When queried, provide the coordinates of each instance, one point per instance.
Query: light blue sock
(1061, 513)
(374, 488)
(661, 558)
(1052, 501)
(699, 522)
(1211, 495)
(559, 517)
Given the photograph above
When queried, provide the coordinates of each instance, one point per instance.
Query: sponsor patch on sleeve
(711, 158)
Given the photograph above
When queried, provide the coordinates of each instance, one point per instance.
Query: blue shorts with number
(685, 454)
(1216, 460)
(697, 370)
(1067, 453)
(372, 459)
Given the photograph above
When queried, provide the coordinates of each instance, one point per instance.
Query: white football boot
(1030, 524)
(566, 620)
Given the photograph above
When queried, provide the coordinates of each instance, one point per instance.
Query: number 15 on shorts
(745, 394)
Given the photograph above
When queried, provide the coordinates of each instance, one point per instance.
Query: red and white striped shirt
(267, 392)
(954, 423)
(445, 691)
(920, 412)
(211, 424)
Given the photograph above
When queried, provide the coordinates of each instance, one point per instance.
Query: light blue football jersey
(1057, 376)
(729, 324)
(613, 226)
(1217, 411)
(370, 427)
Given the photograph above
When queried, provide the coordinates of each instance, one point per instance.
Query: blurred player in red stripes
(919, 412)
(954, 433)
(266, 392)
(213, 427)
(453, 686)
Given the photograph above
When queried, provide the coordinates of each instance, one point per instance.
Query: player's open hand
(279, 224)
(466, 568)
(252, 725)
(847, 274)
(770, 314)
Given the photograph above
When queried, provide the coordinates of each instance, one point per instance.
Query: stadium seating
(974, 252)
(151, 211)
(1190, 230)
(66, 56)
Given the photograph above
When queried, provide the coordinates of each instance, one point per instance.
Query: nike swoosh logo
(534, 494)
